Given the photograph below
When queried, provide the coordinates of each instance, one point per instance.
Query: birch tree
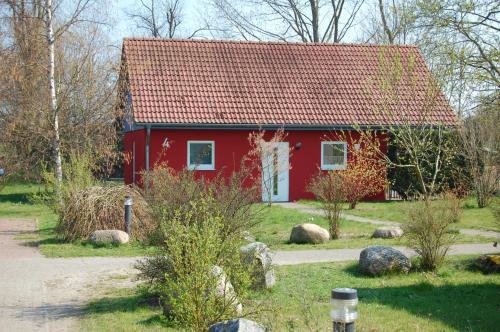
(53, 97)
(51, 35)
(82, 69)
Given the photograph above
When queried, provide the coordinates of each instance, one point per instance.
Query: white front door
(275, 168)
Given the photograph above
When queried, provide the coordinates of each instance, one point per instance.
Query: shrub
(495, 208)
(428, 230)
(366, 170)
(78, 175)
(327, 187)
(182, 274)
(454, 203)
(101, 207)
(168, 191)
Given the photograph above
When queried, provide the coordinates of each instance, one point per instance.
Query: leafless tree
(158, 18)
(392, 22)
(476, 25)
(53, 98)
(72, 64)
(317, 21)
(411, 107)
(398, 88)
(481, 148)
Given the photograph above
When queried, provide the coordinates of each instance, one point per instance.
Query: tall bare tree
(391, 22)
(476, 25)
(53, 97)
(317, 21)
(72, 63)
(481, 148)
(161, 19)
(399, 87)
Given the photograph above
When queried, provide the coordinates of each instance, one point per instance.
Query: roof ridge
(252, 42)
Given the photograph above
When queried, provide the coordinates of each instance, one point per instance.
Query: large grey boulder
(257, 257)
(106, 236)
(388, 232)
(379, 260)
(309, 233)
(225, 289)
(237, 325)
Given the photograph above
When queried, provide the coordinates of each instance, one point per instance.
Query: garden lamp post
(128, 214)
(344, 312)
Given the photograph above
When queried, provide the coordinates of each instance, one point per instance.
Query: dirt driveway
(42, 294)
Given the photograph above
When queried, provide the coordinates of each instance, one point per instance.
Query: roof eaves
(259, 126)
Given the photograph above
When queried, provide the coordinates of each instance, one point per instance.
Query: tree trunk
(385, 25)
(315, 20)
(53, 98)
(482, 201)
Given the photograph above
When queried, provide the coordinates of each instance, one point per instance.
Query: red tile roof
(227, 82)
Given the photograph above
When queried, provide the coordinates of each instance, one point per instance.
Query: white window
(201, 155)
(333, 155)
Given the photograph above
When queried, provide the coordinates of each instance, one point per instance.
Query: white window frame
(333, 167)
(210, 167)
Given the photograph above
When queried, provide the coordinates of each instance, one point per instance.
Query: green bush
(328, 189)
(428, 230)
(186, 272)
(77, 176)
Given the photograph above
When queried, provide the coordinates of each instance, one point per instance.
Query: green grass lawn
(453, 299)
(472, 217)
(16, 201)
(277, 222)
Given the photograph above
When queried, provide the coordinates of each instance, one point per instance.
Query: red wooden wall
(230, 146)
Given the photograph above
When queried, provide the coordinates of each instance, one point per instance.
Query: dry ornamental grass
(100, 207)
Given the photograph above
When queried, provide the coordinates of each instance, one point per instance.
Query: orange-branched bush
(365, 174)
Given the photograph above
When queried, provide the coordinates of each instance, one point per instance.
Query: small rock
(258, 257)
(109, 236)
(237, 325)
(488, 263)
(224, 288)
(378, 260)
(309, 233)
(388, 232)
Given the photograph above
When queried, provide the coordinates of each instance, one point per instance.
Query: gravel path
(316, 211)
(337, 255)
(42, 294)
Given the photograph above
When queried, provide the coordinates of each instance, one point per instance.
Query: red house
(203, 98)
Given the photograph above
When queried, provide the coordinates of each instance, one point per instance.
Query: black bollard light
(344, 312)
(128, 214)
